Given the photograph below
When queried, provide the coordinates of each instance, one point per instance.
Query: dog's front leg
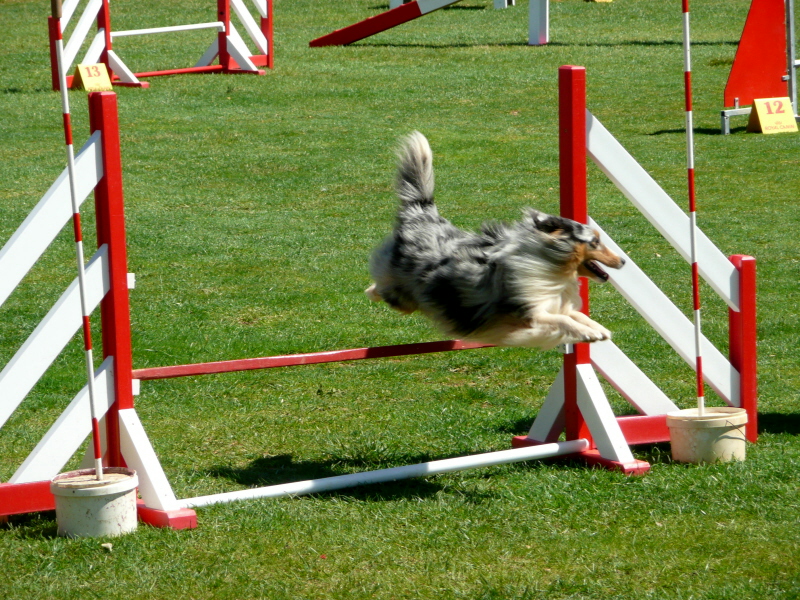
(585, 320)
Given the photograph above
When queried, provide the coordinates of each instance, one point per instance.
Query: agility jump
(402, 12)
(576, 402)
(228, 45)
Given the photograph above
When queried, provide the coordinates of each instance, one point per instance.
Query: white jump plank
(80, 32)
(629, 380)
(140, 456)
(261, 7)
(218, 25)
(671, 324)
(52, 334)
(654, 203)
(69, 431)
(48, 217)
(209, 55)
(427, 469)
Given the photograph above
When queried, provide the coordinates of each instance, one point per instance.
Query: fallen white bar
(435, 467)
(218, 25)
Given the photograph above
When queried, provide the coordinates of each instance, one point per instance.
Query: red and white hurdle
(227, 45)
(403, 11)
(576, 401)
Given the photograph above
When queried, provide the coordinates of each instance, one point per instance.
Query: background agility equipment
(228, 44)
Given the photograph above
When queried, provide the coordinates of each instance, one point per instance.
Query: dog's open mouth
(596, 270)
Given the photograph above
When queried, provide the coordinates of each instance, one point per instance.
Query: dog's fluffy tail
(415, 171)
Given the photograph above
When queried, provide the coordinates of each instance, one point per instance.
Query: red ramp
(382, 22)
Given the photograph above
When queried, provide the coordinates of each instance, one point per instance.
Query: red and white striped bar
(687, 82)
(76, 221)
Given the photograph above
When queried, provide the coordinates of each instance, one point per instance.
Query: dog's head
(574, 247)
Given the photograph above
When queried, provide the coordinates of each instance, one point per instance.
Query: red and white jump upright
(404, 11)
(227, 45)
(576, 401)
(573, 401)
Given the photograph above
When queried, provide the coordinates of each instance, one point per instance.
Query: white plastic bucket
(716, 436)
(86, 507)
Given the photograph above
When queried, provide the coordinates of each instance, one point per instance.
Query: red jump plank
(371, 26)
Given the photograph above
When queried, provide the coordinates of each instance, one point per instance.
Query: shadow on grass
(779, 423)
(277, 470)
(33, 525)
(697, 130)
(385, 7)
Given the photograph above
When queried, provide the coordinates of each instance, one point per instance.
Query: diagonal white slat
(69, 431)
(549, 421)
(599, 417)
(647, 196)
(121, 69)
(51, 335)
(671, 324)
(261, 7)
(239, 50)
(80, 32)
(67, 10)
(48, 217)
(209, 55)
(249, 23)
(139, 455)
(629, 380)
(95, 49)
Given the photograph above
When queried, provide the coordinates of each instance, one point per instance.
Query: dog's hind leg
(372, 293)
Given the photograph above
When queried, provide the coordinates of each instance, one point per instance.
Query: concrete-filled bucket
(88, 507)
(718, 435)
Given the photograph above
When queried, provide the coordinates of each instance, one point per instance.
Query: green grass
(252, 206)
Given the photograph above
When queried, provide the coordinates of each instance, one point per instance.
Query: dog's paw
(595, 335)
(372, 293)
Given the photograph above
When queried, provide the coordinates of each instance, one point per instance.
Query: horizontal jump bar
(436, 467)
(218, 25)
(291, 360)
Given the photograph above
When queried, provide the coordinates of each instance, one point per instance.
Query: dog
(509, 285)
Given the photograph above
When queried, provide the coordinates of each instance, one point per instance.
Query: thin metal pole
(687, 79)
(436, 467)
(76, 222)
(791, 54)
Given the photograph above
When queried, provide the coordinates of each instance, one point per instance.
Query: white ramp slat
(69, 431)
(67, 10)
(629, 380)
(427, 469)
(121, 69)
(239, 50)
(654, 203)
(671, 324)
(92, 56)
(140, 456)
(249, 23)
(51, 335)
(48, 217)
(599, 417)
(80, 32)
(549, 421)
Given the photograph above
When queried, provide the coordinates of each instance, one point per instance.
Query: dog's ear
(543, 222)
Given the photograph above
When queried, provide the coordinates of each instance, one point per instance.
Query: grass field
(252, 206)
